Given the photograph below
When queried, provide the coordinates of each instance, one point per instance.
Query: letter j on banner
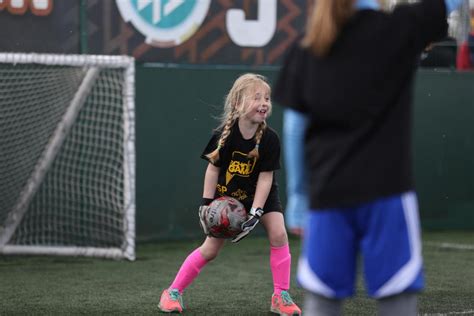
(164, 23)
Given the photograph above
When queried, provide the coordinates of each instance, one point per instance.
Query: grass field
(237, 283)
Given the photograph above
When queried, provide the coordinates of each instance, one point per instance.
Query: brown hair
(324, 24)
(234, 107)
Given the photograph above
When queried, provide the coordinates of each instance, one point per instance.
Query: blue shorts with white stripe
(385, 232)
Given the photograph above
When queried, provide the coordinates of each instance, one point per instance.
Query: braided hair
(234, 107)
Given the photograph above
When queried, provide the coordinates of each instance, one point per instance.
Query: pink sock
(189, 271)
(280, 264)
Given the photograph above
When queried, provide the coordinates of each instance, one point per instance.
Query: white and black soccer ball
(224, 217)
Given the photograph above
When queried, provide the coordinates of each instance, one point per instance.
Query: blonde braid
(234, 107)
(258, 137)
(229, 122)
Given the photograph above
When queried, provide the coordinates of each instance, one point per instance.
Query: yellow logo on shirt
(222, 189)
(239, 195)
(240, 165)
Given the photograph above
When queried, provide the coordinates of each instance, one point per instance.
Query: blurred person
(463, 27)
(441, 54)
(243, 154)
(470, 43)
(352, 76)
(294, 127)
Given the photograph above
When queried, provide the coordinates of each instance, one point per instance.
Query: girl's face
(258, 105)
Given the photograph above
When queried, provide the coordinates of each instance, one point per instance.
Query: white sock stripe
(408, 273)
(310, 281)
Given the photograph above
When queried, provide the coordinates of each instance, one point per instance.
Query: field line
(469, 312)
(448, 245)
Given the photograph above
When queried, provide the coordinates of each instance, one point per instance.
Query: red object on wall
(463, 60)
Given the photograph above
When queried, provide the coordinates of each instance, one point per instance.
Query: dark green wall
(444, 149)
(175, 109)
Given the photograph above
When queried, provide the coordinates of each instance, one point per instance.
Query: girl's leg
(171, 299)
(193, 264)
(280, 257)
(280, 264)
(391, 245)
(315, 304)
(401, 304)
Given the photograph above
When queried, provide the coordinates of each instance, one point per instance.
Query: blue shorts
(386, 232)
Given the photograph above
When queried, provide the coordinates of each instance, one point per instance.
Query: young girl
(243, 154)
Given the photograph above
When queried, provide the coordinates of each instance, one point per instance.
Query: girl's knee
(209, 255)
(211, 248)
(278, 238)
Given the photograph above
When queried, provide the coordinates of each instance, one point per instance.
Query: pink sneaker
(283, 305)
(171, 301)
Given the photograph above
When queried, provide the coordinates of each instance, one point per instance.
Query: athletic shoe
(283, 305)
(171, 301)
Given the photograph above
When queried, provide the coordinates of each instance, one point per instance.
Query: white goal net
(67, 155)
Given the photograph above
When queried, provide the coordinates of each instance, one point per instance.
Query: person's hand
(202, 218)
(249, 224)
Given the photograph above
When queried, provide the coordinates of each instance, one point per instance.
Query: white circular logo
(165, 23)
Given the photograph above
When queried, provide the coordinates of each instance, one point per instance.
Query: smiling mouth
(262, 111)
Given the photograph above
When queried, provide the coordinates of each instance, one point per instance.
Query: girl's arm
(209, 191)
(210, 181)
(264, 184)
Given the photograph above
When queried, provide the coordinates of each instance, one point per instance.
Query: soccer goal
(67, 155)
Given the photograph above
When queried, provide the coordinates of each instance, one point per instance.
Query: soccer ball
(224, 217)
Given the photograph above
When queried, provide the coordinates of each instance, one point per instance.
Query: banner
(218, 32)
(200, 32)
(41, 26)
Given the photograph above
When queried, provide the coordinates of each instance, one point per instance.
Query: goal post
(67, 155)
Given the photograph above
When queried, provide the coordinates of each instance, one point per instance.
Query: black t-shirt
(358, 99)
(238, 174)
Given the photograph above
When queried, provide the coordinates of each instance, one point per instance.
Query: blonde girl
(243, 154)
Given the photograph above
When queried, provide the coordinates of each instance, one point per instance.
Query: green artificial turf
(238, 282)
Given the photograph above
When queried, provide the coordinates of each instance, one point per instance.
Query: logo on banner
(164, 23)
